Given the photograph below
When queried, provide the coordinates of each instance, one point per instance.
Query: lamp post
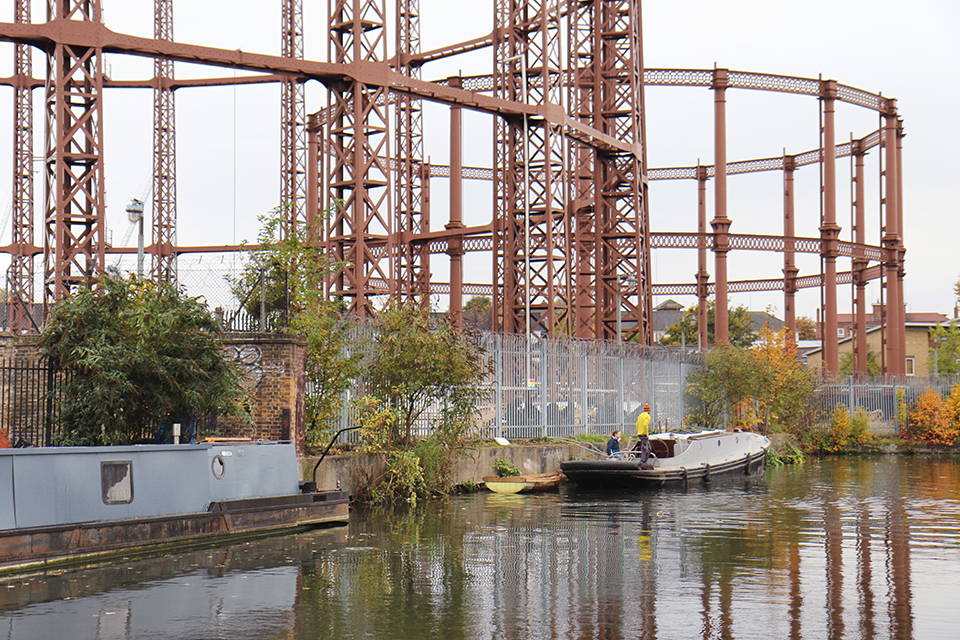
(135, 214)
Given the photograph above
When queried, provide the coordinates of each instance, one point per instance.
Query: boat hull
(21, 549)
(744, 458)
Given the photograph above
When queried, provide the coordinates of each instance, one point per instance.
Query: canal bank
(349, 470)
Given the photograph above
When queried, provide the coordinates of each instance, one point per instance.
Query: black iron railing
(29, 397)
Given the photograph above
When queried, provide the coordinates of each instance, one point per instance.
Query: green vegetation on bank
(505, 468)
(791, 454)
(284, 280)
(418, 363)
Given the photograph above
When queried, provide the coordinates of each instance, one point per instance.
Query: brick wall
(273, 376)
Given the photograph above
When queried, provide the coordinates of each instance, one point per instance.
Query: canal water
(835, 548)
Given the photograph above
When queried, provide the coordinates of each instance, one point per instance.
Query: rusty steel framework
(569, 230)
(164, 153)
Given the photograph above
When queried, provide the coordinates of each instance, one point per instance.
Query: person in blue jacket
(613, 445)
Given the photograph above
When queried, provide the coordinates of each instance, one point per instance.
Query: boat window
(116, 481)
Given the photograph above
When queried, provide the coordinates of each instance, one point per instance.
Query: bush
(953, 407)
(840, 428)
(505, 468)
(930, 420)
(404, 480)
(790, 455)
(860, 426)
(142, 353)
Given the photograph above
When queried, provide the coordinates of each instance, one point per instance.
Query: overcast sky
(228, 138)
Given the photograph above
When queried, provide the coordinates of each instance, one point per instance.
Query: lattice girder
(293, 156)
(74, 247)
(164, 264)
(21, 273)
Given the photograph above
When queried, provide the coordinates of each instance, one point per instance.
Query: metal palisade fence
(542, 387)
(878, 396)
(545, 387)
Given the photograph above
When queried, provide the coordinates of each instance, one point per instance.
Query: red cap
(646, 407)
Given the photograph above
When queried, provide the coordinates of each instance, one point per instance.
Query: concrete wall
(350, 469)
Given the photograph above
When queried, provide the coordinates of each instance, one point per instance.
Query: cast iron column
(829, 231)
(790, 269)
(703, 278)
(455, 245)
(891, 244)
(721, 224)
(860, 263)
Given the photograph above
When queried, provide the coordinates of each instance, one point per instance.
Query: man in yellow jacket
(643, 422)
(643, 431)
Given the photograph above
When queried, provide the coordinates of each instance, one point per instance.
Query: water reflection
(833, 549)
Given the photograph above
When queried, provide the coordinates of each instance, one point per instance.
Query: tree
(418, 362)
(721, 383)
(137, 353)
(806, 328)
(782, 382)
(762, 386)
(846, 364)
(284, 272)
(291, 266)
(945, 355)
(478, 304)
(738, 322)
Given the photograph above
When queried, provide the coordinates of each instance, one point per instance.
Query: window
(116, 481)
(840, 332)
(909, 368)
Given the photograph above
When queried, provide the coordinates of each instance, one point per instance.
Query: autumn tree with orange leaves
(764, 387)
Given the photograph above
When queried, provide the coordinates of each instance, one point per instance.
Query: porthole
(218, 466)
(116, 481)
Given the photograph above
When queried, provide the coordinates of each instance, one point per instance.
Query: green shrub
(840, 428)
(505, 468)
(860, 426)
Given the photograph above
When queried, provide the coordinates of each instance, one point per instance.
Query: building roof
(759, 319)
(671, 305)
